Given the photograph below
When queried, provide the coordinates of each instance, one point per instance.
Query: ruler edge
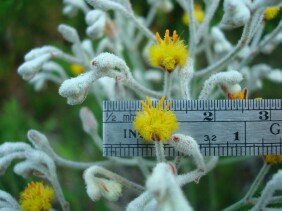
(256, 103)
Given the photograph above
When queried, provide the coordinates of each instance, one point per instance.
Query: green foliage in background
(26, 24)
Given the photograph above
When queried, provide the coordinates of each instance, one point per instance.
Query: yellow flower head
(198, 13)
(77, 69)
(271, 159)
(155, 123)
(239, 96)
(270, 13)
(36, 197)
(169, 52)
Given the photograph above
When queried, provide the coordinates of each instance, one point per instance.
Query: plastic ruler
(221, 127)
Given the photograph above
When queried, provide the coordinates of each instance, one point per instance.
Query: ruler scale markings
(260, 132)
(182, 105)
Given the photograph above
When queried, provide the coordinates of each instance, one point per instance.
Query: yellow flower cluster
(238, 96)
(198, 13)
(169, 52)
(271, 159)
(270, 13)
(76, 69)
(155, 123)
(36, 197)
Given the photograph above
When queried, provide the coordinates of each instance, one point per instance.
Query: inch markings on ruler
(221, 127)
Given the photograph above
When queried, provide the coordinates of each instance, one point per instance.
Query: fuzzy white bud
(107, 5)
(165, 6)
(38, 81)
(39, 140)
(275, 76)
(76, 3)
(10, 147)
(244, 53)
(96, 20)
(106, 61)
(221, 44)
(28, 168)
(28, 69)
(89, 122)
(270, 46)
(87, 47)
(97, 187)
(69, 33)
(8, 203)
(36, 52)
(236, 13)
(76, 89)
(188, 146)
(70, 10)
(233, 89)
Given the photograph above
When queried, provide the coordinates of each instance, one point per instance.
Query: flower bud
(38, 139)
(89, 122)
(36, 52)
(28, 69)
(69, 10)
(68, 33)
(221, 44)
(236, 13)
(76, 89)
(96, 19)
(109, 61)
(188, 146)
(97, 187)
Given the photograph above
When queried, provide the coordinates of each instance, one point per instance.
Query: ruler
(221, 127)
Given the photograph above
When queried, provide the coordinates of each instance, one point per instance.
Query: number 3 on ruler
(263, 115)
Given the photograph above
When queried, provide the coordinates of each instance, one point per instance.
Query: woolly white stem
(159, 146)
(257, 36)
(221, 64)
(142, 166)
(265, 168)
(137, 87)
(207, 48)
(268, 38)
(203, 28)
(167, 84)
(273, 185)
(10, 147)
(196, 174)
(149, 19)
(140, 202)
(223, 78)
(192, 28)
(185, 76)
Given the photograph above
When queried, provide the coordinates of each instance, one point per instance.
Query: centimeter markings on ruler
(221, 127)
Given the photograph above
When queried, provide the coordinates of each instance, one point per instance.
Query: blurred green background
(26, 24)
